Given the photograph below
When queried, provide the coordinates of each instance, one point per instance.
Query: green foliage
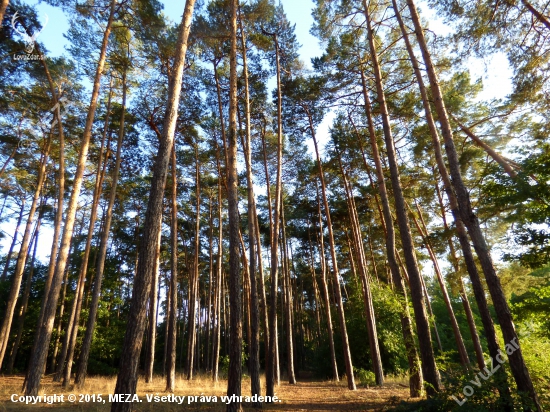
(366, 378)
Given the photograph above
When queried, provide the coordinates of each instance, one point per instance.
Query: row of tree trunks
(470, 220)
(23, 250)
(69, 339)
(415, 371)
(429, 368)
(44, 332)
(365, 278)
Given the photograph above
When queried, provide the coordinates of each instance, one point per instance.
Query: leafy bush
(366, 378)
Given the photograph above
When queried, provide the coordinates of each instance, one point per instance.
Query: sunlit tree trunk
(463, 354)
(173, 290)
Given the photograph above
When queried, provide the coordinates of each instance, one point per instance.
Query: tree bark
(173, 290)
(335, 271)
(422, 230)
(69, 340)
(235, 322)
(194, 277)
(254, 361)
(326, 294)
(365, 279)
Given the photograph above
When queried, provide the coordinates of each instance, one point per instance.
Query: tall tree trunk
(235, 346)
(335, 271)
(415, 371)
(209, 295)
(271, 371)
(462, 236)
(87, 340)
(39, 355)
(422, 230)
(153, 314)
(173, 290)
(466, 213)
(127, 377)
(324, 285)
(253, 235)
(23, 252)
(429, 367)
(463, 295)
(288, 302)
(194, 277)
(365, 280)
(219, 280)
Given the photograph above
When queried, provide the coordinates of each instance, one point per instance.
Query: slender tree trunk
(271, 371)
(209, 296)
(69, 340)
(324, 286)
(463, 295)
(336, 272)
(517, 363)
(87, 340)
(194, 277)
(253, 235)
(153, 313)
(463, 354)
(429, 367)
(23, 252)
(38, 356)
(219, 280)
(235, 346)
(172, 320)
(365, 280)
(288, 302)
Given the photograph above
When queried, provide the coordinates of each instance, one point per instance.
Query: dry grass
(307, 395)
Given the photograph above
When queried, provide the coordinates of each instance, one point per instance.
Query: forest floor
(306, 395)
